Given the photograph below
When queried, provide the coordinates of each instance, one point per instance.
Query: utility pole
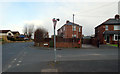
(73, 30)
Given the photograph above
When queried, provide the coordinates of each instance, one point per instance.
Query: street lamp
(55, 22)
(117, 18)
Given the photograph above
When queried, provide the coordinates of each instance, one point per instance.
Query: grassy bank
(115, 45)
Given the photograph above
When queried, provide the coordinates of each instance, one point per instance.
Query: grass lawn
(115, 45)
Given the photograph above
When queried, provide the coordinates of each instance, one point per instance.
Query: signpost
(55, 22)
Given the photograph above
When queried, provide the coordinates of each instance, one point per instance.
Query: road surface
(24, 57)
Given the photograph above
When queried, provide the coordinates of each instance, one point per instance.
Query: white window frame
(117, 37)
(74, 35)
(106, 27)
(116, 27)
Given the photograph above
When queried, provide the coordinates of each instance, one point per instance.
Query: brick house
(108, 31)
(70, 31)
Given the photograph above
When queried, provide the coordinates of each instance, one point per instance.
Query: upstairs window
(74, 36)
(106, 27)
(116, 27)
(79, 29)
(74, 28)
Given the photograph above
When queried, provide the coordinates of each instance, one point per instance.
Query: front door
(108, 38)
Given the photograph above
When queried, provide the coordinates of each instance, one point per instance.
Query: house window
(116, 37)
(79, 29)
(116, 27)
(106, 27)
(74, 36)
(74, 28)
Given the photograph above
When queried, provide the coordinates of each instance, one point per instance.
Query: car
(26, 38)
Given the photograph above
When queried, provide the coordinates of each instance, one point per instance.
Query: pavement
(24, 57)
(88, 46)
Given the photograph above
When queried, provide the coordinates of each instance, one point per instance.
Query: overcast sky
(14, 14)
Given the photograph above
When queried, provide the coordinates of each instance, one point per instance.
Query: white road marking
(59, 56)
(9, 66)
(18, 64)
(19, 61)
(95, 54)
(15, 59)
(49, 70)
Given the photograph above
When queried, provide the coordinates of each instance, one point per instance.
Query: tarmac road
(24, 57)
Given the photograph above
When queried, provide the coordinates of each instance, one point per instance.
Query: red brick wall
(100, 36)
(41, 44)
(68, 31)
(67, 45)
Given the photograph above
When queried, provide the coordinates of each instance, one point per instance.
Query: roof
(70, 23)
(111, 32)
(14, 32)
(4, 31)
(111, 21)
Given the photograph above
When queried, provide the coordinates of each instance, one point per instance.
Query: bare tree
(40, 34)
(25, 30)
(28, 30)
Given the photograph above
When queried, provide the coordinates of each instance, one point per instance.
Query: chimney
(117, 16)
(67, 21)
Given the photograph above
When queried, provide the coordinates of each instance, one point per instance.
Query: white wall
(10, 33)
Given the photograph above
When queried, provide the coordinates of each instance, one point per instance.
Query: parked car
(26, 38)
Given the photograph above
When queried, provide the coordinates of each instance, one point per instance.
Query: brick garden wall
(67, 45)
(60, 42)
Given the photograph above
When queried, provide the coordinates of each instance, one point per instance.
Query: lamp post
(54, 22)
(117, 18)
(73, 30)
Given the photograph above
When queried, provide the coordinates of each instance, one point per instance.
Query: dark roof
(69, 23)
(111, 21)
(4, 31)
(14, 32)
(111, 32)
